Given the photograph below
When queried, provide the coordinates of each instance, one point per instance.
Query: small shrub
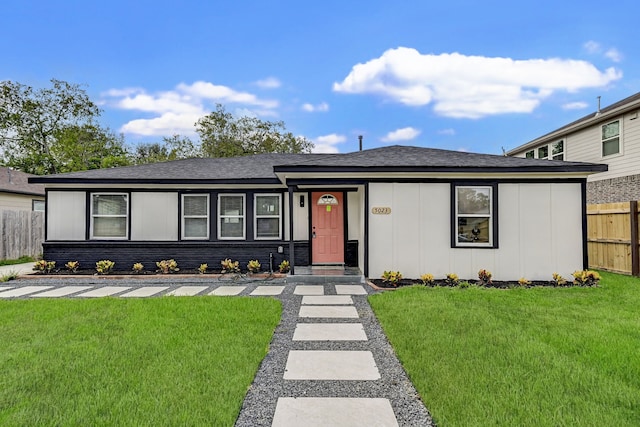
(44, 267)
(523, 282)
(104, 266)
(203, 268)
(11, 275)
(464, 285)
(167, 266)
(558, 280)
(452, 279)
(253, 266)
(284, 266)
(229, 266)
(586, 278)
(484, 276)
(72, 266)
(427, 279)
(392, 277)
(137, 268)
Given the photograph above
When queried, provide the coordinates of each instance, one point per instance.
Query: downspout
(291, 245)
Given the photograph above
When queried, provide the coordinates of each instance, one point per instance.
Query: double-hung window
(557, 150)
(231, 216)
(195, 216)
(474, 218)
(611, 138)
(543, 152)
(109, 215)
(267, 216)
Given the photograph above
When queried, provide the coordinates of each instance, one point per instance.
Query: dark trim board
(189, 255)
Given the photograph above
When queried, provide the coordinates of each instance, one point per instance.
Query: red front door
(327, 228)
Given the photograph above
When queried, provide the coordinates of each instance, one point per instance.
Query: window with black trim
(231, 216)
(474, 218)
(109, 215)
(611, 138)
(267, 216)
(195, 216)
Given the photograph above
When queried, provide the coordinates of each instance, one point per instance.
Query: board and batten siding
(66, 215)
(154, 216)
(539, 225)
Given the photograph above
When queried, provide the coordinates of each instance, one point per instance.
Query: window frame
(243, 216)
(492, 216)
(184, 217)
(92, 216)
(35, 202)
(531, 154)
(256, 216)
(552, 155)
(540, 148)
(603, 140)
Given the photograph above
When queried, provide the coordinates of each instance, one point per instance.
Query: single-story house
(17, 194)
(411, 209)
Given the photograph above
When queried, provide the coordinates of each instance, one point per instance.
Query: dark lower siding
(189, 255)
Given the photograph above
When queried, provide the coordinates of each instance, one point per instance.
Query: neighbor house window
(557, 150)
(109, 215)
(543, 152)
(530, 154)
(611, 138)
(38, 205)
(267, 216)
(231, 216)
(195, 216)
(474, 217)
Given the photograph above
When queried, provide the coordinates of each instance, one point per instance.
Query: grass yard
(116, 361)
(521, 357)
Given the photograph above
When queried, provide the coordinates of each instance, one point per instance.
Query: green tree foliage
(88, 146)
(32, 120)
(223, 135)
(171, 148)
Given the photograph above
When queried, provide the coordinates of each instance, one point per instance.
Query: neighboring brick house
(17, 194)
(610, 136)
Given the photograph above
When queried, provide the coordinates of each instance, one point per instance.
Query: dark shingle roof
(13, 181)
(261, 168)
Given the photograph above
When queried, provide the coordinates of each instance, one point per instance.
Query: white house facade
(411, 209)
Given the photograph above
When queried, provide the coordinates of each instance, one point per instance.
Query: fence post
(635, 255)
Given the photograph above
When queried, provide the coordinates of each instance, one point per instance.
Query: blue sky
(459, 75)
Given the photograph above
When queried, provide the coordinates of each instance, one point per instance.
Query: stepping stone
(145, 291)
(327, 300)
(4, 288)
(308, 290)
(226, 291)
(18, 292)
(268, 290)
(350, 290)
(328, 311)
(333, 411)
(329, 332)
(187, 291)
(104, 292)
(62, 292)
(331, 365)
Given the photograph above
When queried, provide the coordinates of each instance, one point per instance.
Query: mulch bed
(379, 283)
(146, 273)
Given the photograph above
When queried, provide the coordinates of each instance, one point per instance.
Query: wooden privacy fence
(612, 232)
(22, 233)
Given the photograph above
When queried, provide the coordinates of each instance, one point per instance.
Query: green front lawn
(521, 357)
(152, 361)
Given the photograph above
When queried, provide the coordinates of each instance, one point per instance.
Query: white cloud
(592, 47)
(327, 143)
(449, 132)
(404, 134)
(470, 86)
(575, 105)
(322, 107)
(595, 48)
(269, 83)
(177, 110)
(613, 54)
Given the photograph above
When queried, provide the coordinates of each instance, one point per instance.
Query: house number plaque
(381, 211)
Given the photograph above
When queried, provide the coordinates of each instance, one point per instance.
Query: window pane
(530, 154)
(195, 205)
(557, 147)
(558, 157)
(38, 205)
(231, 205)
(268, 227)
(195, 227)
(610, 130)
(473, 230)
(611, 146)
(232, 227)
(474, 200)
(109, 204)
(543, 152)
(110, 227)
(267, 205)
